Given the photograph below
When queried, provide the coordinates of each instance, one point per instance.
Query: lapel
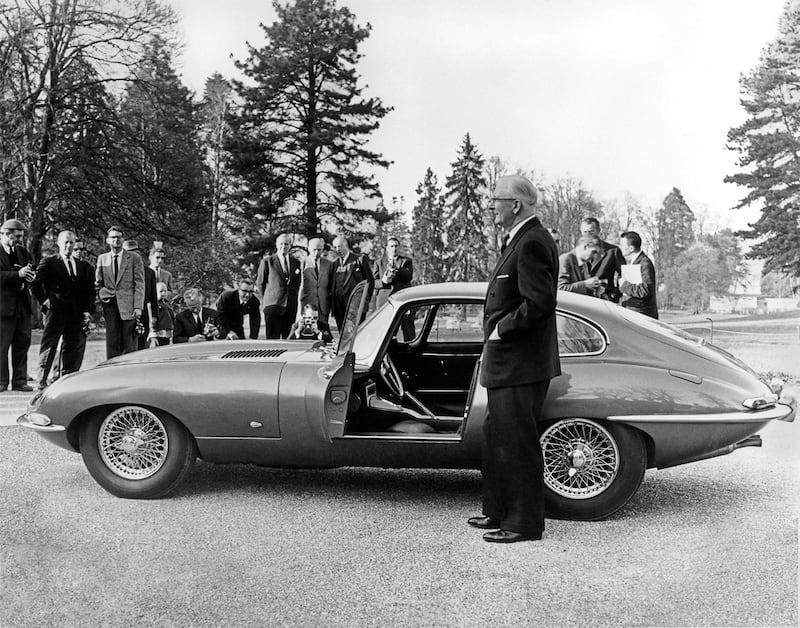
(512, 245)
(638, 259)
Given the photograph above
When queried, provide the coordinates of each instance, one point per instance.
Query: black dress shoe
(23, 388)
(484, 523)
(507, 536)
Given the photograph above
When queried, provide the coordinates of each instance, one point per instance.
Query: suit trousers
(15, 334)
(513, 468)
(120, 335)
(61, 322)
(277, 325)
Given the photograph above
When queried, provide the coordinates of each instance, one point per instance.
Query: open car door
(340, 371)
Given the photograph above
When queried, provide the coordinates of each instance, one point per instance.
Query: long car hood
(258, 350)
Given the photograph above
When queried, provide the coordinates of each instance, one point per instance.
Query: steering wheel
(391, 376)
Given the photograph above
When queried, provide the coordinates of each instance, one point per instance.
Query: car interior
(425, 378)
(428, 371)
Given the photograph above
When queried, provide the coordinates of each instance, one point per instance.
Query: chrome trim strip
(405, 437)
(750, 416)
(450, 355)
(23, 421)
(237, 437)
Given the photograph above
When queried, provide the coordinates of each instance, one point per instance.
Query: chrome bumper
(783, 410)
(26, 422)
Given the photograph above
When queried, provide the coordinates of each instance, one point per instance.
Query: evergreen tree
(674, 234)
(467, 219)
(427, 232)
(161, 177)
(768, 144)
(304, 112)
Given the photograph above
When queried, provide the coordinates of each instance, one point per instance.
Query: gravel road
(709, 544)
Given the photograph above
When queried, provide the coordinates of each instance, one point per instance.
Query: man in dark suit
(520, 357)
(573, 269)
(64, 287)
(16, 275)
(119, 279)
(150, 309)
(639, 294)
(606, 264)
(315, 289)
(232, 305)
(392, 272)
(196, 323)
(278, 287)
(349, 270)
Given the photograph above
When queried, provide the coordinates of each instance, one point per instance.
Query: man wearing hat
(150, 310)
(16, 274)
(119, 279)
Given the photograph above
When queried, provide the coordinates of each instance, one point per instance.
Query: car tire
(136, 452)
(591, 468)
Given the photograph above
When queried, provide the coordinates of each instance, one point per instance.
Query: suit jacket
(164, 276)
(54, 283)
(347, 274)
(521, 305)
(402, 278)
(572, 274)
(278, 290)
(129, 289)
(641, 297)
(14, 294)
(605, 266)
(150, 295)
(186, 327)
(315, 289)
(231, 314)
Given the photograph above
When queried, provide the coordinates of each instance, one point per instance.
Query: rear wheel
(591, 468)
(137, 452)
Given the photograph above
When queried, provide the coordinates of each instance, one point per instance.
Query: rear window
(578, 337)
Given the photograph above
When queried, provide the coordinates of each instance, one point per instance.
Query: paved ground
(709, 544)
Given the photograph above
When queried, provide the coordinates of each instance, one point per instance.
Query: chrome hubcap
(581, 459)
(133, 442)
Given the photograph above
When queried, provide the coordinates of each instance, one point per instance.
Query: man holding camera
(16, 275)
(196, 323)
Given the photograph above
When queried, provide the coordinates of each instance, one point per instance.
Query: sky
(628, 96)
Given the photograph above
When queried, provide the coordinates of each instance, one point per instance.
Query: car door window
(457, 323)
(578, 337)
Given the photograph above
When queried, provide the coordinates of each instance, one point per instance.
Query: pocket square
(502, 276)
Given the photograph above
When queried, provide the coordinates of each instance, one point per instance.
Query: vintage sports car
(400, 390)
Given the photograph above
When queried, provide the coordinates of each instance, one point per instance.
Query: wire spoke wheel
(133, 442)
(581, 458)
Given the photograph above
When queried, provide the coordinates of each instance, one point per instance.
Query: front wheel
(591, 469)
(136, 452)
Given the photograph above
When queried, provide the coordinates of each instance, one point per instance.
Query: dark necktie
(316, 270)
(505, 243)
(116, 267)
(71, 270)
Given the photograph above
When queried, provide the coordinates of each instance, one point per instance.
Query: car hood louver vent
(256, 353)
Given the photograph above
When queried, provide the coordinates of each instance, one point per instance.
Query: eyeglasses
(246, 291)
(492, 199)
(160, 257)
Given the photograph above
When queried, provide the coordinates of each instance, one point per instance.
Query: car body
(634, 394)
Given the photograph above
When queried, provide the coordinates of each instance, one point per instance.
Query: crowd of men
(295, 297)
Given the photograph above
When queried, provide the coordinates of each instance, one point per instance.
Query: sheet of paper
(632, 273)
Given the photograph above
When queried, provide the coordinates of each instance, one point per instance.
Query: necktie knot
(505, 243)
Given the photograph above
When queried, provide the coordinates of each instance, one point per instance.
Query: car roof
(477, 290)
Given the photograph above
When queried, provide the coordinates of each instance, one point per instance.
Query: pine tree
(427, 232)
(768, 144)
(162, 175)
(304, 109)
(674, 235)
(466, 216)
